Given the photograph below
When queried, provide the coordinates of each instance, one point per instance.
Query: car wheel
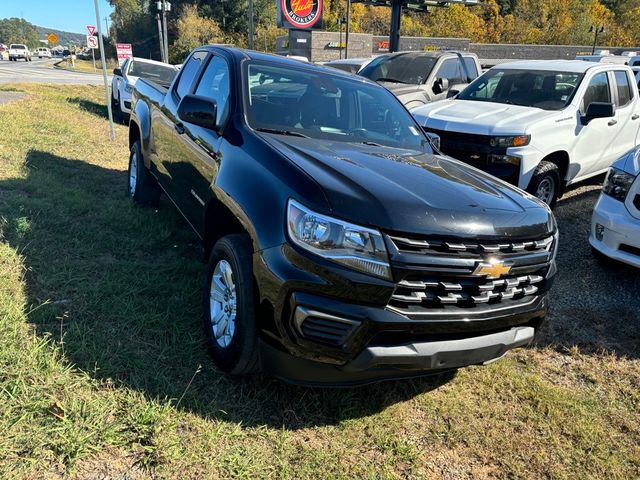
(143, 189)
(229, 308)
(545, 183)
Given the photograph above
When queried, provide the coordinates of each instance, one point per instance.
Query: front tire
(229, 307)
(545, 183)
(143, 189)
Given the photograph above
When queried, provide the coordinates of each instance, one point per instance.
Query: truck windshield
(151, 71)
(403, 68)
(547, 90)
(17, 47)
(312, 103)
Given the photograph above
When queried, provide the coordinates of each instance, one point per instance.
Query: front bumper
(621, 231)
(331, 326)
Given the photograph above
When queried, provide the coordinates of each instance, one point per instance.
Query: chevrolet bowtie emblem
(492, 270)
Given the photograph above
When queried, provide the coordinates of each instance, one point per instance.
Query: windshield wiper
(392, 80)
(371, 144)
(275, 131)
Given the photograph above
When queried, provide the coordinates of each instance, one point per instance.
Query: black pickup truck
(341, 250)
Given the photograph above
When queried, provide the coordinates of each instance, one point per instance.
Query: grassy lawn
(104, 374)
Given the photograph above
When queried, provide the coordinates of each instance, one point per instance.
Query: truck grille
(467, 147)
(438, 276)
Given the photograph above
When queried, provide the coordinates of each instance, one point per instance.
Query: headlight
(506, 142)
(356, 247)
(617, 184)
(128, 88)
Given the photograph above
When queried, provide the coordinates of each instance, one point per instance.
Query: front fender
(141, 119)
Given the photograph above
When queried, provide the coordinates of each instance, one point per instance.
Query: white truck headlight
(617, 184)
(128, 88)
(356, 247)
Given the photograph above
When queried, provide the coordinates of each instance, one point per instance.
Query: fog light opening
(599, 232)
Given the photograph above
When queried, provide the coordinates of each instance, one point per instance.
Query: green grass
(100, 336)
(86, 66)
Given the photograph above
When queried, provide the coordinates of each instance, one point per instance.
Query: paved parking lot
(594, 305)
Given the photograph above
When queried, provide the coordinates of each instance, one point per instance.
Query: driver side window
(597, 91)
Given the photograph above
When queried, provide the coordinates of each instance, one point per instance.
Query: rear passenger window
(189, 72)
(625, 94)
(597, 91)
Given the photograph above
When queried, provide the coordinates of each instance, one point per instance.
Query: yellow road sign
(53, 38)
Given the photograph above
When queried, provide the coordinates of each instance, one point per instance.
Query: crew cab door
(627, 116)
(198, 154)
(593, 141)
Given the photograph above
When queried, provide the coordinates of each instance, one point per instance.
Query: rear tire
(229, 310)
(143, 189)
(545, 183)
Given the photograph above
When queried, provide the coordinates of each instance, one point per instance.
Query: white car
(540, 125)
(43, 52)
(134, 68)
(615, 227)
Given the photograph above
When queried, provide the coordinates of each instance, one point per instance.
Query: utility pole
(251, 42)
(104, 72)
(346, 41)
(165, 5)
(160, 37)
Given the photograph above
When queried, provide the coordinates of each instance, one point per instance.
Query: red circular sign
(302, 13)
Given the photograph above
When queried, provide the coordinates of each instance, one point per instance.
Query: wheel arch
(561, 159)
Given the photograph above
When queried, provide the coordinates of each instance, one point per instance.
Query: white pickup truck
(540, 125)
(19, 50)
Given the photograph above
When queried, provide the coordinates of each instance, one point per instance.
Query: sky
(66, 15)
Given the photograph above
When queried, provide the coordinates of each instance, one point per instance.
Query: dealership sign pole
(104, 72)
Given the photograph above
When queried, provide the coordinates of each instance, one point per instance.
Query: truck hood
(629, 162)
(483, 118)
(408, 191)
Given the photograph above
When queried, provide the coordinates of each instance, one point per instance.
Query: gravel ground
(595, 305)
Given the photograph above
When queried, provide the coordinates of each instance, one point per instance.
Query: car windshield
(404, 68)
(306, 102)
(18, 47)
(152, 71)
(547, 90)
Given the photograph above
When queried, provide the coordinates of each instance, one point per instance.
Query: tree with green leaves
(17, 30)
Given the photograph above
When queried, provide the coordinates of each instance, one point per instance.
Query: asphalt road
(42, 71)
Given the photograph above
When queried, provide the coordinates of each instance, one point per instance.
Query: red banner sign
(300, 14)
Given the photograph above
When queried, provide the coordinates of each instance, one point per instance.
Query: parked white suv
(43, 52)
(615, 227)
(540, 125)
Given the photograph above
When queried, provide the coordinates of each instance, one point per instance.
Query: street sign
(124, 51)
(52, 37)
(91, 29)
(92, 42)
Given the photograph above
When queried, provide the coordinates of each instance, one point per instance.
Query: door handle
(612, 122)
(179, 128)
(635, 116)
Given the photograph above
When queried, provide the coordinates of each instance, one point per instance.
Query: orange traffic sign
(52, 37)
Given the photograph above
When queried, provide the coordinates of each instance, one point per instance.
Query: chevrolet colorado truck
(541, 125)
(341, 250)
(418, 78)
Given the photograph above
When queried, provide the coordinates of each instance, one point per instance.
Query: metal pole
(346, 41)
(104, 72)
(340, 42)
(160, 37)
(251, 27)
(165, 34)
(93, 56)
(396, 17)
(595, 41)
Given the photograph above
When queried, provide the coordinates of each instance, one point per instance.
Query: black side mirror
(198, 110)
(598, 110)
(117, 72)
(452, 93)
